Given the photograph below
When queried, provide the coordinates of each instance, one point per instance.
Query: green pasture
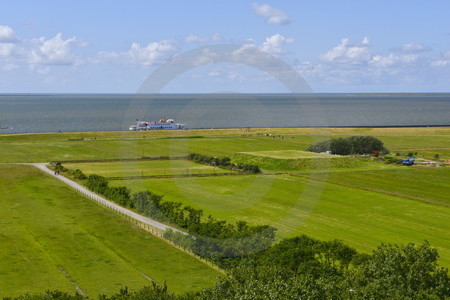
(144, 168)
(297, 205)
(423, 184)
(101, 145)
(53, 238)
(364, 203)
(63, 150)
(288, 154)
(315, 162)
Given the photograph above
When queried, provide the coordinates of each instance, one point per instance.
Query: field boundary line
(424, 200)
(72, 282)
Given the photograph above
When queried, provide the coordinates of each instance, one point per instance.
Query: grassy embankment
(53, 238)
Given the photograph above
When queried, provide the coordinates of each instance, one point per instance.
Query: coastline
(227, 128)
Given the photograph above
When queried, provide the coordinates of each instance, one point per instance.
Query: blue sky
(336, 46)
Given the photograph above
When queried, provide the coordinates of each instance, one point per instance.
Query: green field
(423, 184)
(144, 168)
(296, 161)
(289, 154)
(296, 205)
(53, 238)
(101, 145)
(58, 243)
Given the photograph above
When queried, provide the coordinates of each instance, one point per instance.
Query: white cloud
(274, 44)
(391, 60)
(366, 41)
(442, 61)
(413, 48)
(272, 15)
(357, 67)
(347, 53)
(54, 51)
(7, 50)
(153, 53)
(7, 35)
(215, 73)
(192, 38)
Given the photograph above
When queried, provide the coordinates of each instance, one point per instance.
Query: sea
(39, 113)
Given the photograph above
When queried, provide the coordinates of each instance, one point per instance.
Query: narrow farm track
(79, 188)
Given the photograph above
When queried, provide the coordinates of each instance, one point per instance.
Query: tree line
(76, 174)
(350, 145)
(223, 162)
(209, 237)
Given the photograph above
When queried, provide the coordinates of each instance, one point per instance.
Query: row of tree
(350, 145)
(76, 174)
(223, 162)
(210, 238)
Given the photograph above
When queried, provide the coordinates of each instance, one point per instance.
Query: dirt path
(81, 189)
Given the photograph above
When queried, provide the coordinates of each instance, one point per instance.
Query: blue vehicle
(409, 161)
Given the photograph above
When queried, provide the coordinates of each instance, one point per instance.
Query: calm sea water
(105, 112)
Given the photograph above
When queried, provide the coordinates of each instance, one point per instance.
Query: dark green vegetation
(210, 238)
(53, 238)
(350, 145)
(306, 268)
(75, 174)
(223, 162)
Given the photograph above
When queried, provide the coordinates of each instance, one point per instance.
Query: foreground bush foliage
(305, 268)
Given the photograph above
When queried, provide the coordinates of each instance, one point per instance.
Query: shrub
(318, 147)
(224, 162)
(351, 145)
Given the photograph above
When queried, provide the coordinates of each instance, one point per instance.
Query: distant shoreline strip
(208, 128)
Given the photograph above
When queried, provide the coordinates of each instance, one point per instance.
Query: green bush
(224, 162)
(350, 145)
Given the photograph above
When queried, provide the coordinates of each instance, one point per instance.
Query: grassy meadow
(53, 238)
(144, 168)
(422, 184)
(299, 205)
(62, 240)
(102, 145)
